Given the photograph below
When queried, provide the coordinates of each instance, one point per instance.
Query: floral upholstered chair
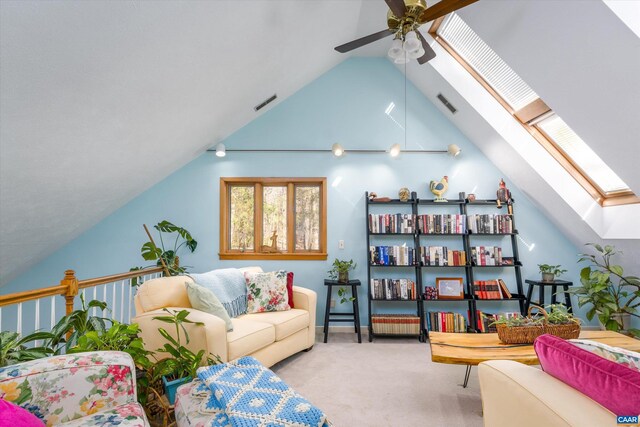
(84, 389)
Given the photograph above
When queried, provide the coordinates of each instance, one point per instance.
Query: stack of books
(442, 224)
(440, 321)
(392, 223)
(442, 256)
(490, 224)
(486, 255)
(393, 289)
(392, 255)
(491, 289)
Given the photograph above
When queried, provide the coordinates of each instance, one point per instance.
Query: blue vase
(170, 387)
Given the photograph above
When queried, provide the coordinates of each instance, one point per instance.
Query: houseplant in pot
(340, 272)
(555, 320)
(611, 295)
(180, 365)
(550, 272)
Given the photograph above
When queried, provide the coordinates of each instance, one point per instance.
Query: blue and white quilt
(244, 393)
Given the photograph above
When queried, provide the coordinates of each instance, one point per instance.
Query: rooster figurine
(503, 195)
(439, 188)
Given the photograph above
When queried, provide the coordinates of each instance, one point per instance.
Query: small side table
(351, 317)
(554, 289)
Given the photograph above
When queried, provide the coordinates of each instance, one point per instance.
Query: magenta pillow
(290, 288)
(614, 386)
(15, 416)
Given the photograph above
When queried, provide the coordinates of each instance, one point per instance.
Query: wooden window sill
(313, 256)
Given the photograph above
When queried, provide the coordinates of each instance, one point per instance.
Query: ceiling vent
(447, 104)
(265, 102)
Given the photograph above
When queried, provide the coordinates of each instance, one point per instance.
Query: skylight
(598, 179)
(486, 62)
(582, 155)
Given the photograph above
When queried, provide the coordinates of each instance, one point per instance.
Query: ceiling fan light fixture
(221, 150)
(453, 150)
(415, 54)
(337, 150)
(411, 42)
(396, 51)
(394, 151)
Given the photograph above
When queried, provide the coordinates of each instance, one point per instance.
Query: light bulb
(337, 150)
(415, 54)
(221, 150)
(453, 150)
(411, 42)
(396, 49)
(394, 151)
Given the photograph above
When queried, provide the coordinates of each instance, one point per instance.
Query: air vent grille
(447, 104)
(265, 102)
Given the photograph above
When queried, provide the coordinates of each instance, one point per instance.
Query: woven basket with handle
(528, 334)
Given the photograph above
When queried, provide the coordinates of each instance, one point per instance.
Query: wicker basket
(528, 334)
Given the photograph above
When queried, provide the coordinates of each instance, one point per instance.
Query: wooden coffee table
(472, 349)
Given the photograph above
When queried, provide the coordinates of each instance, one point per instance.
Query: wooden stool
(352, 317)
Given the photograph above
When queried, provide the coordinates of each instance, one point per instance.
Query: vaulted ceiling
(100, 100)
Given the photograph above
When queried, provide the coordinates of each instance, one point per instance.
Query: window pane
(486, 62)
(308, 218)
(583, 156)
(274, 216)
(241, 214)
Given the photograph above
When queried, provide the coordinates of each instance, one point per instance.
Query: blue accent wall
(345, 105)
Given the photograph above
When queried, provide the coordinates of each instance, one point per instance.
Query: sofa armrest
(517, 394)
(306, 299)
(63, 388)
(211, 336)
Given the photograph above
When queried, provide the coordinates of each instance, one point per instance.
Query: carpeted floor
(390, 382)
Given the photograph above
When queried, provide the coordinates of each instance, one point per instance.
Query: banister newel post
(71, 283)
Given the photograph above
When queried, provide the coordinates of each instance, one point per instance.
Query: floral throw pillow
(267, 291)
(628, 358)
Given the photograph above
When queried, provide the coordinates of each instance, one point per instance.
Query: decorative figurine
(274, 244)
(404, 194)
(439, 188)
(503, 195)
(472, 197)
(372, 195)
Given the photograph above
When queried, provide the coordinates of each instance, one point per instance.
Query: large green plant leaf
(150, 252)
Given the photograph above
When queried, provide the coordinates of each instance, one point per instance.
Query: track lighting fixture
(337, 150)
(453, 150)
(221, 151)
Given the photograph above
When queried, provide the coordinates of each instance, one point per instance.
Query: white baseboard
(342, 329)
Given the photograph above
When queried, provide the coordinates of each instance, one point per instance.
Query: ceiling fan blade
(397, 7)
(443, 8)
(363, 41)
(429, 54)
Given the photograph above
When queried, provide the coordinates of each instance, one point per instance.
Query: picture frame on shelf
(450, 288)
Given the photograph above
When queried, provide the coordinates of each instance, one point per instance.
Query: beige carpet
(390, 382)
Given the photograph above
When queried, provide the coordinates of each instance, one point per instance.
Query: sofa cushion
(628, 358)
(248, 336)
(612, 385)
(286, 322)
(267, 291)
(131, 415)
(203, 299)
(163, 292)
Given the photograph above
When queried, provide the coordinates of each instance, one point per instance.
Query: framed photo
(450, 288)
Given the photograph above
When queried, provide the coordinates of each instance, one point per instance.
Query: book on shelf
(442, 256)
(440, 321)
(485, 320)
(392, 223)
(486, 255)
(393, 289)
(491, 289)
(392, 255)
(398, 324)
(489, 224)
(442, 223)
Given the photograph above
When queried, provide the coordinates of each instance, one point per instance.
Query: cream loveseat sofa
(514, 394)
(269, 337)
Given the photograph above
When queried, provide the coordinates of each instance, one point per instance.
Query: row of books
(393, 289)
(442, 224)
(484, 320)
(392, 223)
(440, 321)
(486, 255)
(441, 256)
(491, 289)
(490, 223)
(392, 255)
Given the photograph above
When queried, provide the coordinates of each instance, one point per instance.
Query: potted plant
(340, 272)
(555, 320)
(168, 257)
(550, 272)
(613, 297)
(180, 365)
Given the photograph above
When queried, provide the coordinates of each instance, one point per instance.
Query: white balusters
(37, 320)
(95, 296)
(19, 326)
(130, 301)
(113, 300)
(53, 311)
(104, 296)
(122, 301)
